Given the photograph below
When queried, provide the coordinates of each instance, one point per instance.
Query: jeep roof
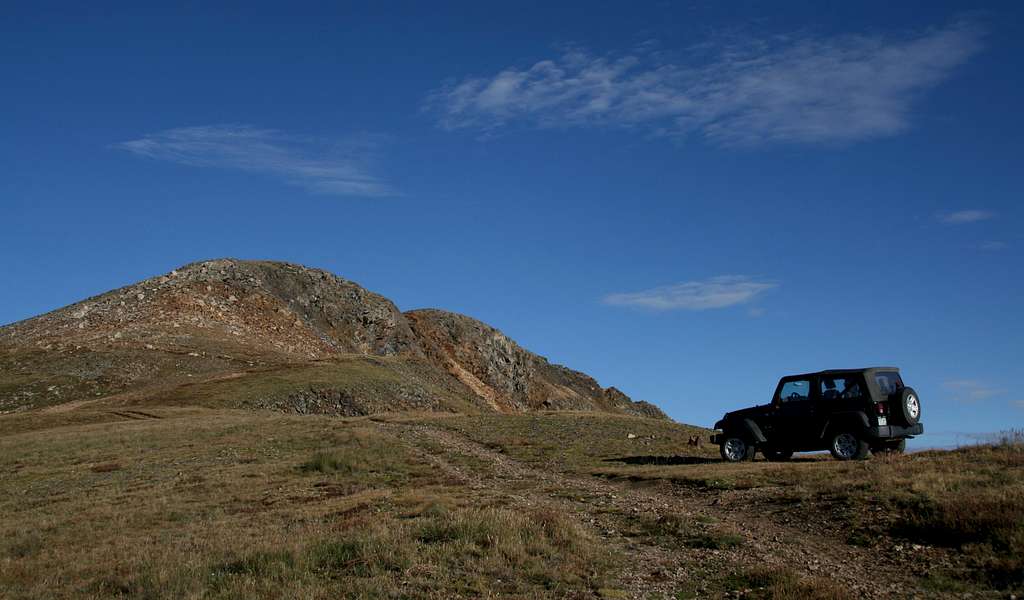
(841, 371)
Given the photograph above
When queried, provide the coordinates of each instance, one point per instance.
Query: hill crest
(209, 319)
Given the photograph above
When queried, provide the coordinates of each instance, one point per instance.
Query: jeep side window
(852, 388)
(794, 391)
(832, 387)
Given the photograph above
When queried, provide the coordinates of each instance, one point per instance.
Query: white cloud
(1018, 403)
(960, 217)
(993, 245)
(717, 292)
(789, 89)
(320, 167)
(971, 390)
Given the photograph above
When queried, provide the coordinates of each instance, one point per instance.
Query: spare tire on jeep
(910, 406)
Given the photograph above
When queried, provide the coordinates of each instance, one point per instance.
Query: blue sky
(686, 200)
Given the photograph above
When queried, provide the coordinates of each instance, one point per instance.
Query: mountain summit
(276, 335)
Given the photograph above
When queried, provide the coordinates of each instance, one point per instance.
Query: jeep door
(796, 412)
(842, 396)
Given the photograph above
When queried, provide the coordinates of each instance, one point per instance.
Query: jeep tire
(846, 445)
(910, 406)
(735, 449)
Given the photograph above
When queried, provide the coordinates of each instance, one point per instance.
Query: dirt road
(611, 510)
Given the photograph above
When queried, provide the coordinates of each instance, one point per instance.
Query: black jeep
(849, 412)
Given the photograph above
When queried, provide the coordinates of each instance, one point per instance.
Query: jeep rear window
(889, 382)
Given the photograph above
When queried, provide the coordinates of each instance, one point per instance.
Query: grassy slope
(230, 503)
(377, 384)
(370, 383)
(191, 502)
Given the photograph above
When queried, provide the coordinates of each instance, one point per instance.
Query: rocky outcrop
(509, 377)
(641, 408)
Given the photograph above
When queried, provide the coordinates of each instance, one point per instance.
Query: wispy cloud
(801, 89)
(323, 167)
(993, 245)
(717, 292)
(971, 390)
(1018, 403)
(959, 217)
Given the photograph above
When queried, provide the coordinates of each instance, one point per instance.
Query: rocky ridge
(508, 377)
(217, 320)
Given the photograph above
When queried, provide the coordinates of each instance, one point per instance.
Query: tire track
(602, 507)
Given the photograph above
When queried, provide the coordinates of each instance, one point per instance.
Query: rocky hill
(282, 336)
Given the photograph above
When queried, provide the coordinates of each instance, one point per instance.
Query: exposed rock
(509, 377)
(252, 300)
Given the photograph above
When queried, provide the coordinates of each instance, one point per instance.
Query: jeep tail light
(880, 408)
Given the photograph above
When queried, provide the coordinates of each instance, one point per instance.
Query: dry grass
(228, 504)
(372, 383)
(466, 551)
(967, 499)
(40, 379)
(190, 503)
(774, 583)
(582, 442)
(675, 531)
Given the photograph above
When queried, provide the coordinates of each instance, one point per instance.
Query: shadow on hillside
(664, 460)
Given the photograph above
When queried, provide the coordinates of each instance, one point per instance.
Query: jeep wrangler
(849, 412)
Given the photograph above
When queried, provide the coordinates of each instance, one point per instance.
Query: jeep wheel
(847, 446)
(736, 449)
(910, 406)
(776, 455)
